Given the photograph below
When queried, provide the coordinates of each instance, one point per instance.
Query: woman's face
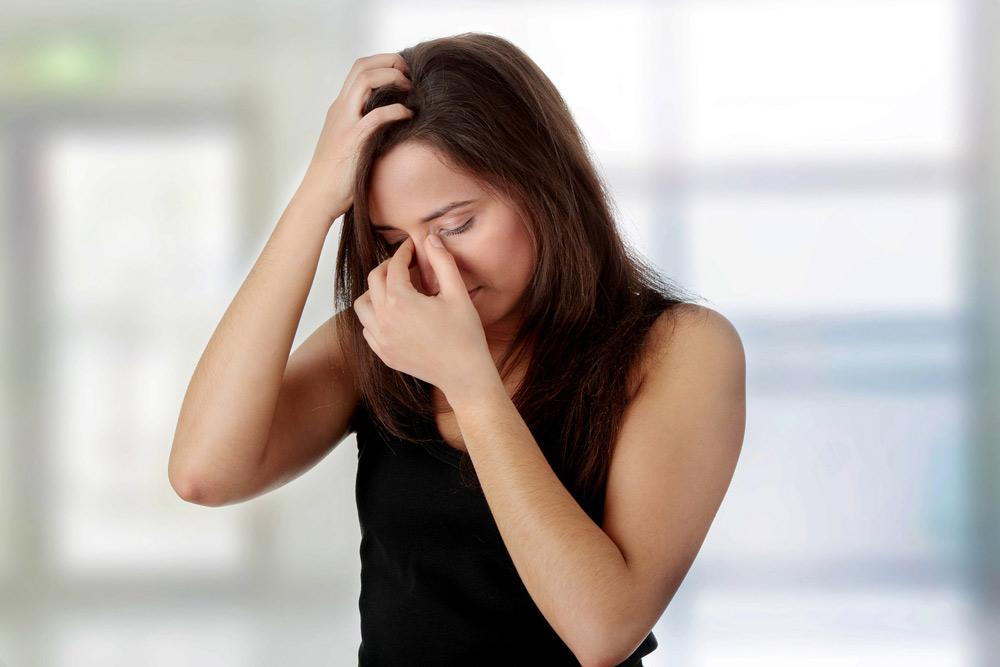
(486, 236)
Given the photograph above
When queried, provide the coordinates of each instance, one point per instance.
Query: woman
(545, 427)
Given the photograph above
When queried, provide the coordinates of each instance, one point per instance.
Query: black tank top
(438, 586)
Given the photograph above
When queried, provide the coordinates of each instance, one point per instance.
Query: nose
(426, 281)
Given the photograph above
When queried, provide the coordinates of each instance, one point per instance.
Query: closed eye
(446, 232)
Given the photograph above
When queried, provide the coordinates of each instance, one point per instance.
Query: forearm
(574, 572)
(229, 404)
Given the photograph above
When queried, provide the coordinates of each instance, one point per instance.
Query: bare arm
(230, 403)
(316, 402)
(252, 417)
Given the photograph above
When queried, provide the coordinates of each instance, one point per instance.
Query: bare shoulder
(689, 332)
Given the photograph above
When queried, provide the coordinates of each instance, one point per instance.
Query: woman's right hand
(328, 185)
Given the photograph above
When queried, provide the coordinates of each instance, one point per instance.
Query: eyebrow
(431, 216)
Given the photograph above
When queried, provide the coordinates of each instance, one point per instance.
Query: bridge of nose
(426, 282)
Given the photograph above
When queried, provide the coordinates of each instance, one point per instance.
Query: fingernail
(435, 241)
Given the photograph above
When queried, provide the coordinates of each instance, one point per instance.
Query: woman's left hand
(438, 339)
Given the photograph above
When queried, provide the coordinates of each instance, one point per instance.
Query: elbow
(612, 652)
(602, 660)
(599, 654)
(599, 662)
(191, 489)
(187, 490)
(609, 650)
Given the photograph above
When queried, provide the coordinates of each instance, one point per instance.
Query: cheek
(500, 264)
(503, 258)
(520, 259)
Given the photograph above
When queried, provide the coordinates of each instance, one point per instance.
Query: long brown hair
(487, 109)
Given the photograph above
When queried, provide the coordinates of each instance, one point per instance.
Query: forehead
(411, 180)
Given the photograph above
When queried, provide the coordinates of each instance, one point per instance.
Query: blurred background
(825, 173)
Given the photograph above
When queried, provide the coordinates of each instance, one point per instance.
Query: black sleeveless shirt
(438, 586)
